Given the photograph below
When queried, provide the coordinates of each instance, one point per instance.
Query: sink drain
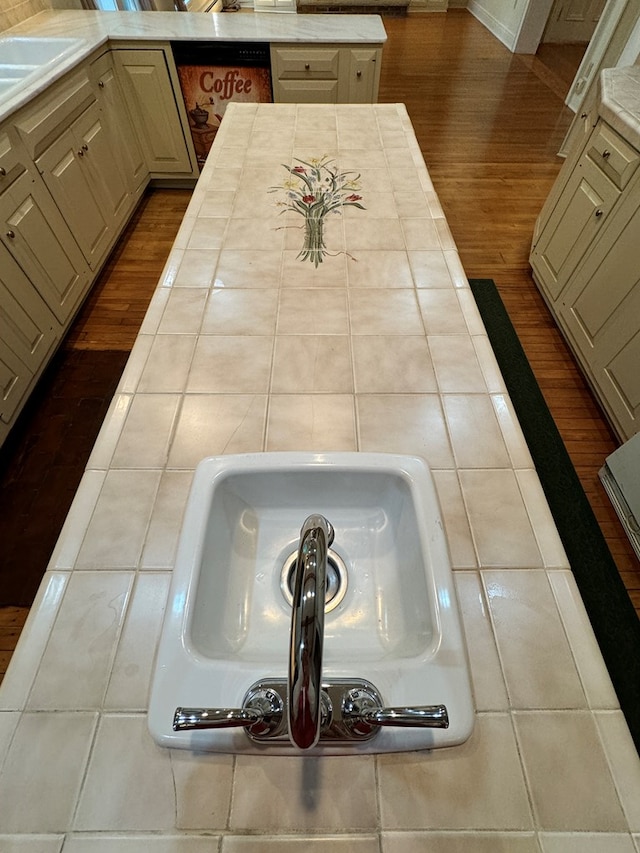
(336, 579)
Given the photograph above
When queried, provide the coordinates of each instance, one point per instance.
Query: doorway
(573, 21)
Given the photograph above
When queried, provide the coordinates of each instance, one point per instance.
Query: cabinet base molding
(419, 6)
(356, 8)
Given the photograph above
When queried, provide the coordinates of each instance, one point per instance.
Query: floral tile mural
(315, 190)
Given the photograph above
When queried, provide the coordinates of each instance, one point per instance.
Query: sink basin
(23, 59)
(30, 51)
(392, 615)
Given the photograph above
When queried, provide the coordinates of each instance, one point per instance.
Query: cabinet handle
(599, 213)
(606, 153)
(3, 171)
(11, 234)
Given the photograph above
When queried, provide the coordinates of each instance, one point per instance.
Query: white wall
(631, 53)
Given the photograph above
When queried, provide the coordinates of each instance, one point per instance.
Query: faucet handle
(362, 713)
(261, 714)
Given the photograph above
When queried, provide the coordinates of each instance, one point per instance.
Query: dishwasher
(212, 74)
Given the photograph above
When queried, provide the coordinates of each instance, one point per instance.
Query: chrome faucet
(338, 711)
(304, 706)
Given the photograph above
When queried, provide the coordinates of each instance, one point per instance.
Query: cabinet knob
(101, 84)
(3, 171)
(606, 153)
(85, 147)
(306, 66)
(599, 213)
(80, 152)
(11, 234)
(358, 73)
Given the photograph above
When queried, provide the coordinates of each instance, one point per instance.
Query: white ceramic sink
(393, 620)
(23, 59)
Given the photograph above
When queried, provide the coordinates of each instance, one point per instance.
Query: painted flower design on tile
(315, 190)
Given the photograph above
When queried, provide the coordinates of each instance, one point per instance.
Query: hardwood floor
(489, 124)
(111, 316)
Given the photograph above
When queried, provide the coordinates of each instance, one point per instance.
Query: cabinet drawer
(308, 92)
(609, 151)
(291, 63)
(41, 122)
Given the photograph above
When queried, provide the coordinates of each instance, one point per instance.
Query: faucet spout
(307, 632)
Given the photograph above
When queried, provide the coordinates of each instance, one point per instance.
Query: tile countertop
(619, 101)
(96, 28)
(397, 360)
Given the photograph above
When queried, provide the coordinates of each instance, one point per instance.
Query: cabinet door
(108, 184)
(15, 381)
(573, 226)
(122, 136)
(600, 309)
(28, 334)
(63, 171)
(573, 21)
(38, 239)
(150, 96)
(363, 74)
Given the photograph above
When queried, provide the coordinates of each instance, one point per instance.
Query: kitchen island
(396, 360)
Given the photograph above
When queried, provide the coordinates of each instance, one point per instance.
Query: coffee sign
(208, 89)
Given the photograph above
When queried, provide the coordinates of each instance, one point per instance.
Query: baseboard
(504, 34)
(418, 6)
(397, 8)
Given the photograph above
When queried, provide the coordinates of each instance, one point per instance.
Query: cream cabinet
(150, 86)
(600, 311)
(325, 74)
(43, 276)
(82, 175)
(305, 74)
(363, 74)
(39, 241)
(28, 335)
(590, 190)
(124, 142)
(65, 133)
(584, 261)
